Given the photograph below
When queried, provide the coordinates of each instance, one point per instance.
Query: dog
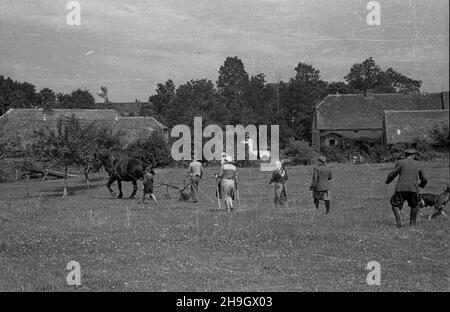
(438, 202)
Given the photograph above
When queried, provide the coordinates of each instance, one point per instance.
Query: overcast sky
(130, 46)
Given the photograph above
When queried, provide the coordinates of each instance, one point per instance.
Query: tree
(152, 150)
(305, 73)
(194, 98)
(14, 94)
(232, 76)
(298, 98)
(69, 143)
(77, 99)
(363, 76)
(104, 94)
(399, 82)
(164, 94)
(46, 99)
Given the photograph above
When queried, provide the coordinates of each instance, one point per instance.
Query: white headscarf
(278, 165)
(228, 159)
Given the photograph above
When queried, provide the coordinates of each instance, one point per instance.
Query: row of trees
(14, 94)
(238, 98)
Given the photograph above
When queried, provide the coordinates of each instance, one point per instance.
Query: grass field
(123, 245)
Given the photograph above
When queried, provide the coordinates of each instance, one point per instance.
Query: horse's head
(99, 161)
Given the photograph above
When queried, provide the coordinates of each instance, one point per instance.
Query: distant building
(340, 119)
(22, 123)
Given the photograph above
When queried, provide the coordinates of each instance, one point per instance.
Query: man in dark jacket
(320, 184)
(410, 178)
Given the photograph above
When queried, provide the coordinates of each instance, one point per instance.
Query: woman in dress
(228, 182)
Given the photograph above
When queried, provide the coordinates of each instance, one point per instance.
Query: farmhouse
(22, 123)
(340, 119)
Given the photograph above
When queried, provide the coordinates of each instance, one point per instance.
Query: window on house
(332, 142)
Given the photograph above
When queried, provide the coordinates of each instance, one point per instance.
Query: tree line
(235, 98)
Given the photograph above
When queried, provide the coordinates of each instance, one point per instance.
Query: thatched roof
(356, 111)
(407, 126)
(23, 122)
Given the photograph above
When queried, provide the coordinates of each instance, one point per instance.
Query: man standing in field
(411, 177)
(320, 184)
(195, 172)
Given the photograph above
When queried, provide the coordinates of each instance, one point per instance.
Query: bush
(425, 151)
(152, 150)
(300, 153)
(336, 154)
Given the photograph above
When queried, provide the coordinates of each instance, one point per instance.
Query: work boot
(413, 218)
(397, 216)
(327, 206)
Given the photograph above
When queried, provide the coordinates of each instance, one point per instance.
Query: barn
(22, 123)
(344, 118)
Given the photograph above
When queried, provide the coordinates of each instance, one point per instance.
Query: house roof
(407, 126)
(126, 108)
(23, 122)
(356, 111)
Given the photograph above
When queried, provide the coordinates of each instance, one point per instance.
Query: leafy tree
(363, 76)
(152, 150)
(77, 99)
(298, 98)
(232, 76)
(164, 94)
(368, 75)
(14, 94)
(306, 73)
(46, 99)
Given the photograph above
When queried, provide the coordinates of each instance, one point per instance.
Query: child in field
(148, 185)
(320, 184)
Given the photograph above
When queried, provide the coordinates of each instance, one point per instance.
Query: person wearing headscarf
(320, 184)
(279, 178)
(228, 182)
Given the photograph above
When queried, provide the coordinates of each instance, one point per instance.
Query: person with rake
(279, 177)
(227, 187)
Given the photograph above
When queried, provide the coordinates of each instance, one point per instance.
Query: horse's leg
(135, 188)
(119, 185)
(108, 185)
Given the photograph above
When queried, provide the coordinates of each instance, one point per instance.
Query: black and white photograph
(224, 151)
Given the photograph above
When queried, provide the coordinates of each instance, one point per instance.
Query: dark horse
(129, 170)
